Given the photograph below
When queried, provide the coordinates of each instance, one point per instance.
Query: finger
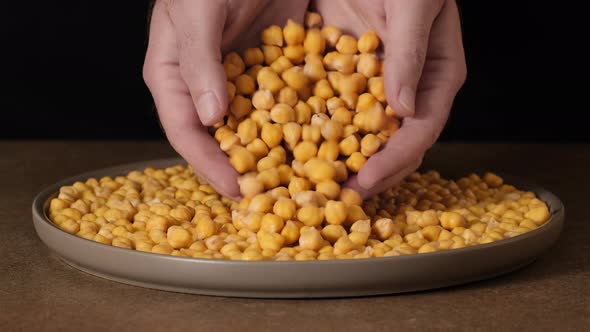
(386, 184)
(408, 28)
(177, 111)
(443, 75)
(199, 27)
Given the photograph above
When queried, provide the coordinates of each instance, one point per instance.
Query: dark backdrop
(72, 69)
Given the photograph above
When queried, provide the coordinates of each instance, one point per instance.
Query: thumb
(199, 27)
(408, 29)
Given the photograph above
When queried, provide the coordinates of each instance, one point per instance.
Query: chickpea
(318, 170)
(343, 63)
(240, 106)
(258, 148)
(294, 78)
(314, 42)
(245, 85)
(271, 134)
(309, 197)
(331, 130)
(253, 56)
(370, 145)
(323, 89)
(329, 150)
(346, 44)
(247, 131)
(331, 34)
(285, 174)
(293, 33)
(377, 89)
(302, 112)
(282, 113)
(269, 80)
(288, 95)
(295, 53)
(263, 100)
(254, 70)
(330, 188)
(350, 197)
(178, 237)
(281, 64)
(273, 35)
(271, 53)
(305, 150)
(314, 68)
(342, 116)
(349, 145)
(285, 208)
(311, 239)
(272, 223)
(233, 65)
(312, 20)
(368, 42)
(298, 184)
(242, 159)
(310, 215)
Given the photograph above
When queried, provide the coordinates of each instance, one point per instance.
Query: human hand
(424, 69)
(184, 72)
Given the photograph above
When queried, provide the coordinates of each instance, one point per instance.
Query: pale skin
(424, 69)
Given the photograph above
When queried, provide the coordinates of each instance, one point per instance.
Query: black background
(72, 69)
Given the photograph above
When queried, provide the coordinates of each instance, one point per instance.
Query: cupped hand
(424, 69)
(183, 70)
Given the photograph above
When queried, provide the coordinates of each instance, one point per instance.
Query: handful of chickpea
(307, 109)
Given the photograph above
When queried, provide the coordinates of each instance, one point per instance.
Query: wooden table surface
(38, 292)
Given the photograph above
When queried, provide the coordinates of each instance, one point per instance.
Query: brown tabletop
(39, 292)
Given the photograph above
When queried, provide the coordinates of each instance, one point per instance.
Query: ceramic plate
(294, 279)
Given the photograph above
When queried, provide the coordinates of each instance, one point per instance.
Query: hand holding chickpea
(427, 61)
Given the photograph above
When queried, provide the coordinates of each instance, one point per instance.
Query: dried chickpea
(288, 95)
(242, 159)
(370, 145)
(273, 35)
(331, 34)
(285, 208)
(263, 100)
(346, 44)
(253, 56)
(329, 150)
(368, 42)
(310, 215)
(323, 89)
(314, 67)
(302, 112)
(282, 113)
(245, 85)
(233, 65)
(293, 33)
(314, 42)
(271, 134)
(305, 150)
(295, 53)
(312, 20)
(281, 64)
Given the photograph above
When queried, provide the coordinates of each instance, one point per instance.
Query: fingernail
(407, 98)
(208, 108)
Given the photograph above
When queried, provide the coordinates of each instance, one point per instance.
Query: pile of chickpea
(307, 109)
